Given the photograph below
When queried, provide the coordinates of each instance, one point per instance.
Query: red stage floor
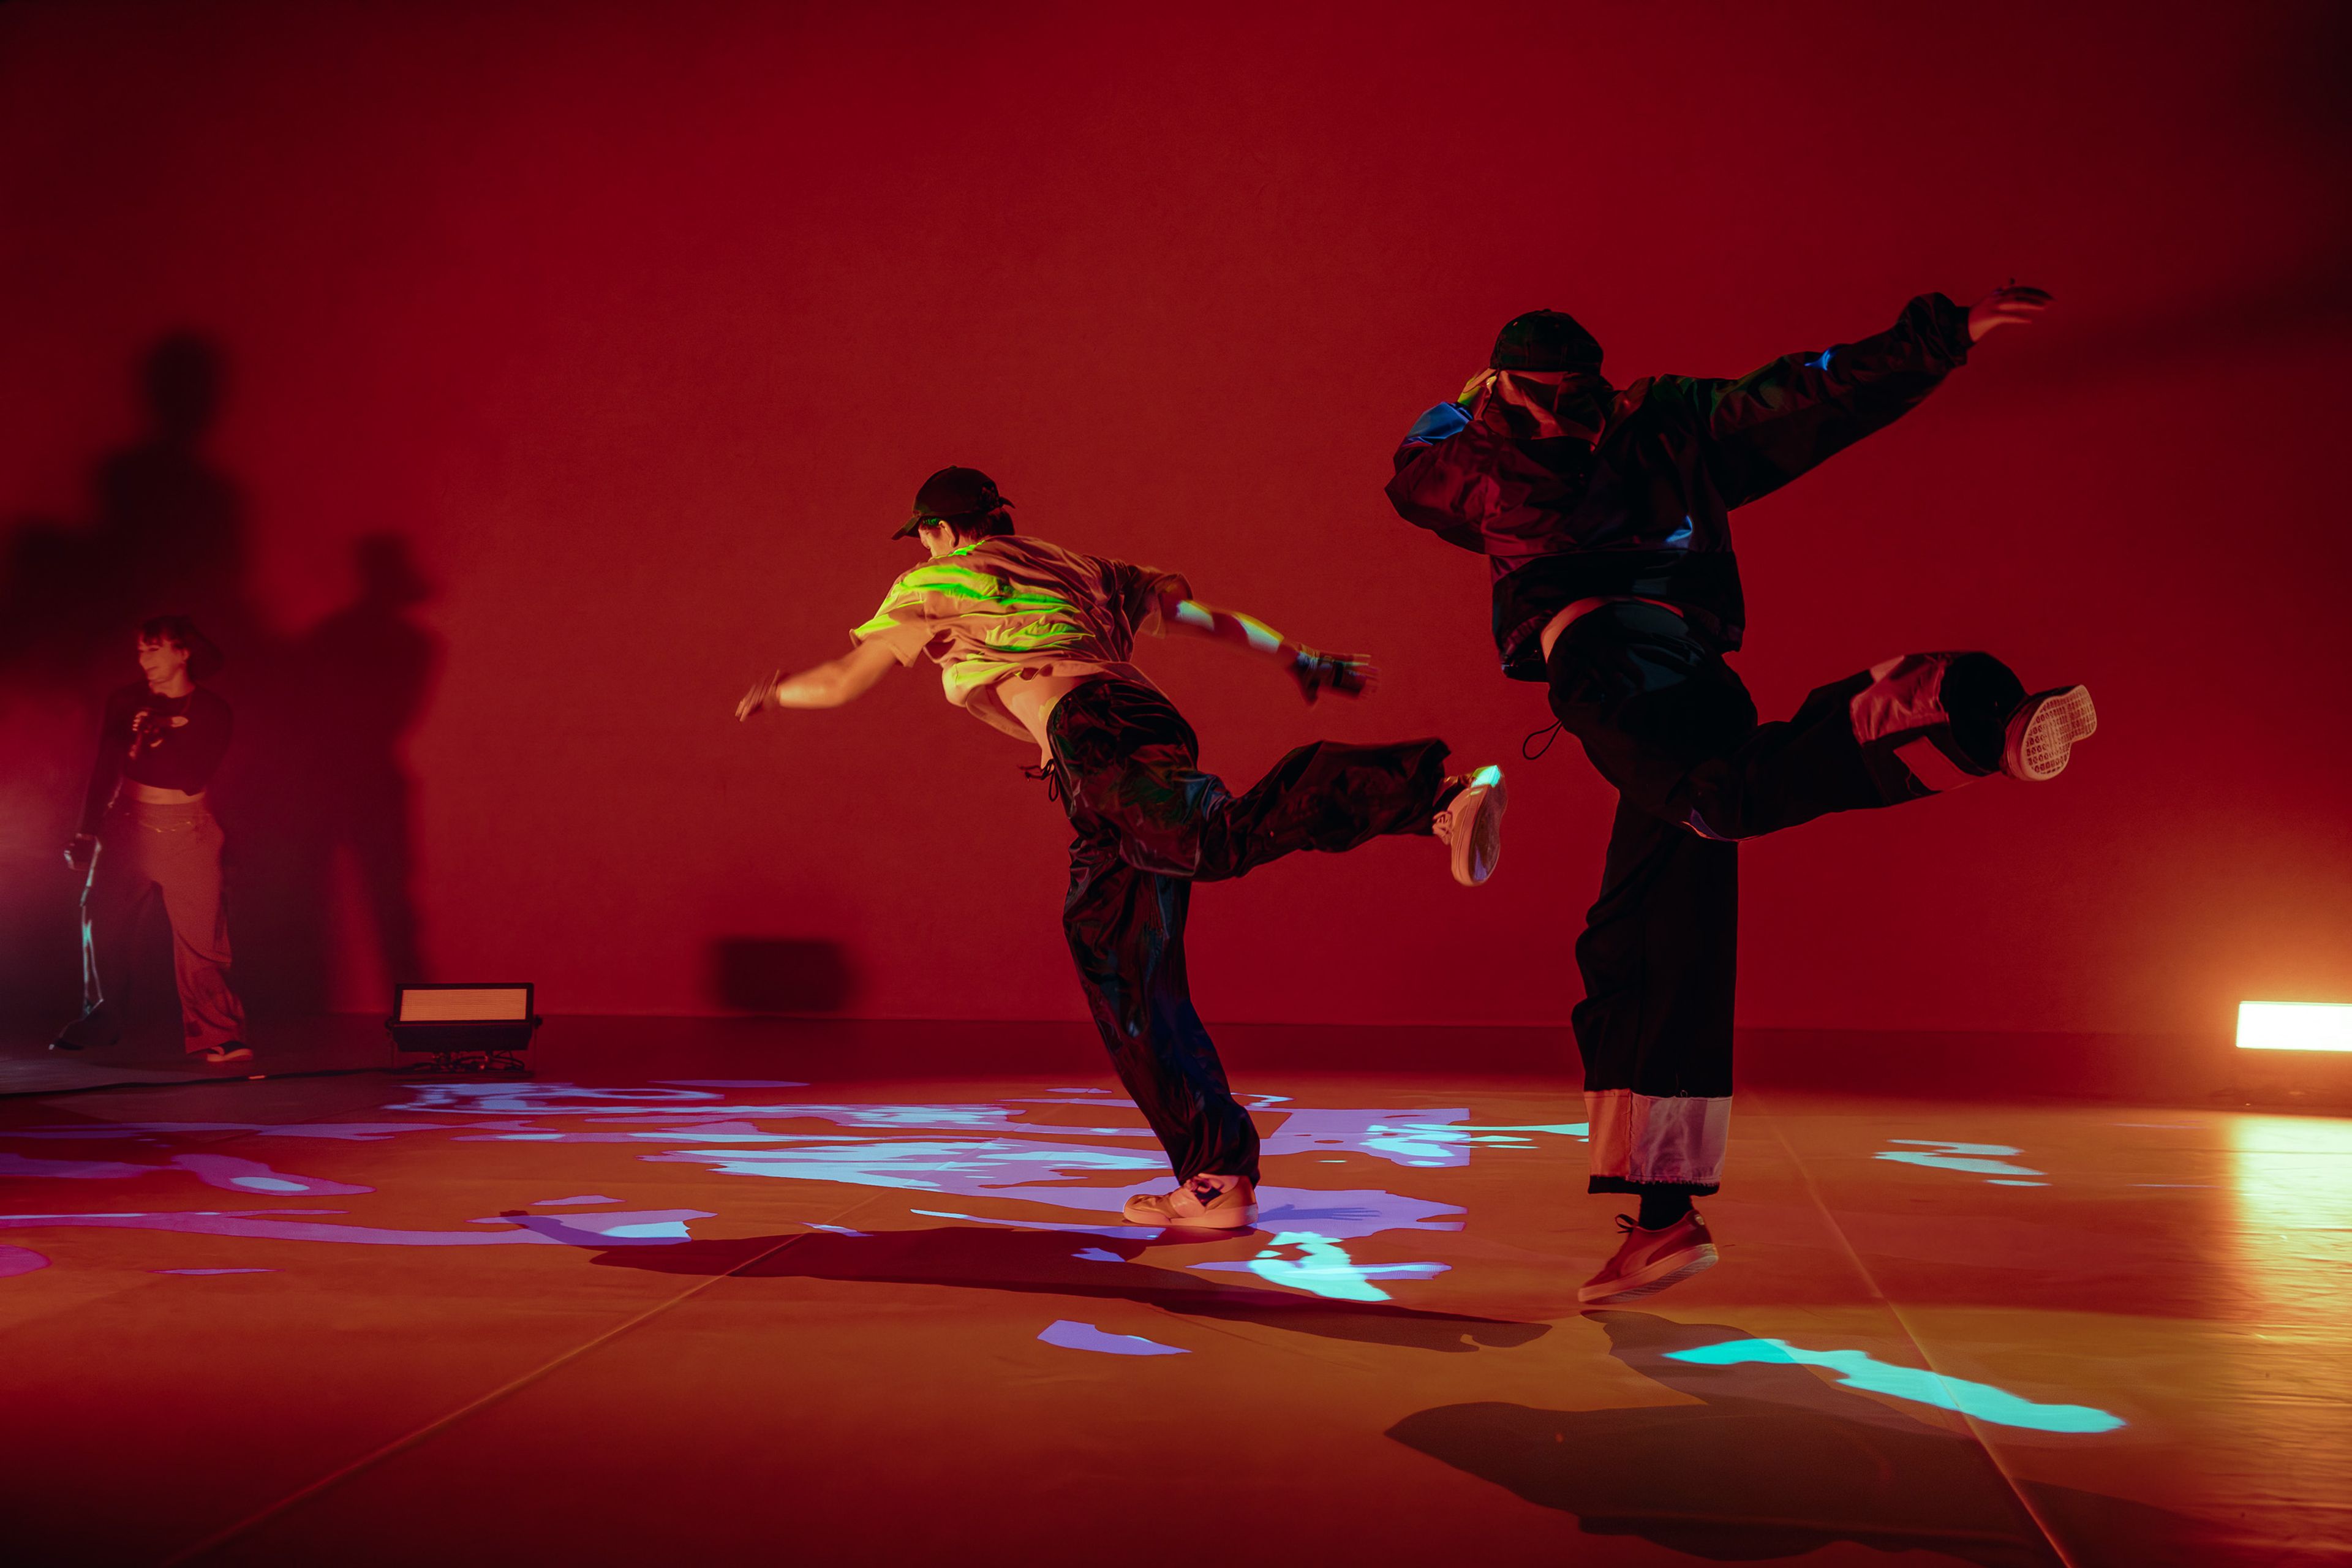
(686, 1315)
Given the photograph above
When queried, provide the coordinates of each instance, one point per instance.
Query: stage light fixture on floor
(467, 1028)
(2294, 1027)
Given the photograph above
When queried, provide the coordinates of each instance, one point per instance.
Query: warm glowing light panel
(2294, 1027)
(463, 1005)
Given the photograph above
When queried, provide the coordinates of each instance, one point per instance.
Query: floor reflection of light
(1860, 1369)
(2292, 1177)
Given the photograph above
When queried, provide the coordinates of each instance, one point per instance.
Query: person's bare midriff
(1031, 700)
(157, 795)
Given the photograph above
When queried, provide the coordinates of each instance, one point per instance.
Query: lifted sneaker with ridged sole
(2041, 736)
(1204, 1203)
(1471, 825)
(1647, 1261)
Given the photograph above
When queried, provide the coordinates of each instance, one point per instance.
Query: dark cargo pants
(1149, 825)
(1667, 721)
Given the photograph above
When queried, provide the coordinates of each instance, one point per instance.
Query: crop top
(169, 742)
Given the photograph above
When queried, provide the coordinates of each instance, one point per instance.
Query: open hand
(2013, 304)
(760, 697)
(1345, 674)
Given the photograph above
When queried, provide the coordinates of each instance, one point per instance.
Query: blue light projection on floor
(1421, 1138)
(1073, 1336)
(1323, 1267)
(16, 1260)
(1979, 1159)
(1859, 1368)
(970, 1148)
(584, 1230)
(213, 1170)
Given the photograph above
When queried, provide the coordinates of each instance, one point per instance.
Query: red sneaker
(1647, 1261)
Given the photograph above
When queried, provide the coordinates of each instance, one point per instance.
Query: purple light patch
(253, 1176)
(16, 1260)
(212, 1271)
(583, 1198)
(734, 1082)
(1086, 1337)
(537, 1231)
(70, 1170)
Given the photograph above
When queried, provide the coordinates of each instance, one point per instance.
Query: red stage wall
(626, 333)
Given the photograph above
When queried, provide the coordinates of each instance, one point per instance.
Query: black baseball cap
(1545, 339)
(952, 494)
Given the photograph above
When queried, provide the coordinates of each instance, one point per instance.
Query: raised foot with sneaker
(1204, 1203)
(234, 1051)
(1471, 824)
(2041, 736)
(1647, 1261)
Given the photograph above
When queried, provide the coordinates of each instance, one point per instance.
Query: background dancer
(1035, 640)
(147, 829)
(1604, 512)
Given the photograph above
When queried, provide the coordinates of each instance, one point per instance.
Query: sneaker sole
(1477, 851)
(2059, 721)
(1223, 1219)
(1672, 1269)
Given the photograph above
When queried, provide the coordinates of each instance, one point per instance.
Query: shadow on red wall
(315, 774)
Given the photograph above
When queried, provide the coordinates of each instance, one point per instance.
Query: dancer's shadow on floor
(1774, 1462)
(1046, 1263)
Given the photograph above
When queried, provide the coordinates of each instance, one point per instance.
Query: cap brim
(912, 523)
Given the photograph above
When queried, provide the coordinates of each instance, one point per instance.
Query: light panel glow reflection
(1860, 1369)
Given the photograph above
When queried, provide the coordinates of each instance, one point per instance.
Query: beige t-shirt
(1010, 607)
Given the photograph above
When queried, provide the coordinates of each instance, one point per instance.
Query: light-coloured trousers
(145, 849)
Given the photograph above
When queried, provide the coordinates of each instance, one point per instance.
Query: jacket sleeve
(113, 747)
(1775, 422)
(1434, 488)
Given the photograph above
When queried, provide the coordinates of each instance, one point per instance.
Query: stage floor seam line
(1894, 1310)
(433, 1429)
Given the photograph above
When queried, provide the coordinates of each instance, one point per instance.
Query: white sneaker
(1647, 1261)
(1472, 826)
(2042, 732)
(1204, 1203)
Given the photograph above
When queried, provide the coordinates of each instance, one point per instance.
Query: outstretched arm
(836, 681)
(1348, 673)
(1775, 422)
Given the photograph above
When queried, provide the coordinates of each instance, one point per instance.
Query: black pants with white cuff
(1670, 725)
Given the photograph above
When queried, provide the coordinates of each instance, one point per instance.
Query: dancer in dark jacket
(1604, 512)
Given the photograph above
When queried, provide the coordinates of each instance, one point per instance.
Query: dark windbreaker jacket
(1644, 509)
